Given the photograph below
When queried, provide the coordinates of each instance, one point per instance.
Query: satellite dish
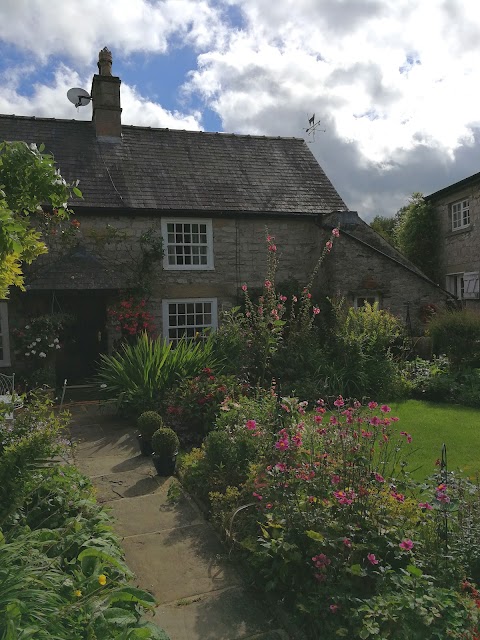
(79, 97)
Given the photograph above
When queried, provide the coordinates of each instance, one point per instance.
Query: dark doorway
(85, 338)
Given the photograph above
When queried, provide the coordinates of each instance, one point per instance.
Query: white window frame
(209, 266)
(460, 212)
(455, 284)
(166, 315)
(4, 335)
(470, 285)
(375, 297)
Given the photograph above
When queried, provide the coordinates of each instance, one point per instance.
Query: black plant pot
(164, 465)
(145, 445)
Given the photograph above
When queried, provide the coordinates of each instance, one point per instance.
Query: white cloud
(79, 29)
(50, 101)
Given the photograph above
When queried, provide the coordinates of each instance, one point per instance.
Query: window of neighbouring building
(460, 214)
(361, 301)
(188, 244)
(4, 337)
(191, 318)
(455, 284)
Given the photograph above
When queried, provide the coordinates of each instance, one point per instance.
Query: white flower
(51, 345)
(103, 386)
(27, 326)
(57, 346)
(27, 354)
(38, 339)
(56, 340)
(34, 352)
(42, 354)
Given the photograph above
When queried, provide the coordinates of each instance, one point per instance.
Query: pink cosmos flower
(375, 421)
(425, 505)
(399, 497)
(335, 479)
(372, 559)
(297, 440)
(385, 408)
(318, 419)
(347, 542)
(372, 405)
(281, 466)
(316, 311)
(379, 478)
(336, 232)
(244, 287)
(339, 402)
(282, 444)
(269, 505)
(322, 431)
(257, 495)
(333, 420)
(251, 425)
(406, 545)
(334, 608)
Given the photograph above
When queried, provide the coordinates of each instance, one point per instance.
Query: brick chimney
(105, 94)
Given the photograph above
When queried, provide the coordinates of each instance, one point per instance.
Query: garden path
(172, 550)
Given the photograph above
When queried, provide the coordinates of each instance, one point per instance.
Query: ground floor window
(361, 301)
(455, 284)
(193, 317)
(4, 338)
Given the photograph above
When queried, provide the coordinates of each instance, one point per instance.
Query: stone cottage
(208, 198)
(458, 209)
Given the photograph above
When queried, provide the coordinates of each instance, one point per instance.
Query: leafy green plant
(148, 422)
(457, 335)
(143, 372)
(165, 442)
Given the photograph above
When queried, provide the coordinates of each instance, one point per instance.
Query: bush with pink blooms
(330, 522)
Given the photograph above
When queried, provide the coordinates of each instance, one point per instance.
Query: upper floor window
(460, 214)
(4, 338)
(188, 244)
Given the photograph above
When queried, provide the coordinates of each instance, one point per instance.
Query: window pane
(190, 307)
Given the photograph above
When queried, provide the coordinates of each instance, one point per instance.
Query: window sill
(456, 232)
(186, 268)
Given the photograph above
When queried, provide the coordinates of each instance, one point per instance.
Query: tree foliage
(31, 191)
(417, 234)
(414, 231)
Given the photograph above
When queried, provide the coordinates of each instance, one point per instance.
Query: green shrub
(457, 334)
(165, 442)
(148, 422)
(143, 372)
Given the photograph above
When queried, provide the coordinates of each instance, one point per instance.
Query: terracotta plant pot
(165, 466)
(145, 445)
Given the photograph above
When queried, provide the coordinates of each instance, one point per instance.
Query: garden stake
(444, 479)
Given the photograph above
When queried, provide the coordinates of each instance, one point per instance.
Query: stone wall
(460, 249)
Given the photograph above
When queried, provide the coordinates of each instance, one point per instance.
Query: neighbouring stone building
(210, 198)
(458, 209)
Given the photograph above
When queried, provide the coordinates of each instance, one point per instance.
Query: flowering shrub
(40, 337)
(337, 529)
(131, 317)
(195, 403)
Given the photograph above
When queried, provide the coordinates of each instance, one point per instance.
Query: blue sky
(396, 100)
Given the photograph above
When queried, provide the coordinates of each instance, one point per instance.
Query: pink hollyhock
(244, 287)
(328, 245)
(425, 505)
(347, 542)
(406, 545)
(267, 284)
(251, 425)
(334, 608)
(270, 238)
(272, 247)
(372, 559)
(336, 232)
(316, 311)
(257, 495)
(321, 560)
(283, 298)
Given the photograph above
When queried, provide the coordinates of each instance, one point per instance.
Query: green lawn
(433, 424)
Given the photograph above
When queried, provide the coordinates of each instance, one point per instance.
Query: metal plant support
(444, 480)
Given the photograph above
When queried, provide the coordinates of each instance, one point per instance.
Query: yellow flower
(78, 593)
(102, 579)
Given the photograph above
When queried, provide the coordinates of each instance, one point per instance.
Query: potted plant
(148, 423)
(165, 449)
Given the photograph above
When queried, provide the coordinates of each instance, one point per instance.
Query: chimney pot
(105, 62)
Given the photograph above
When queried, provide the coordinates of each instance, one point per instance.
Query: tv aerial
(313, 127)
(79, 97)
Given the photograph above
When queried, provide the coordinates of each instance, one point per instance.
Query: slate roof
(159, 170)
